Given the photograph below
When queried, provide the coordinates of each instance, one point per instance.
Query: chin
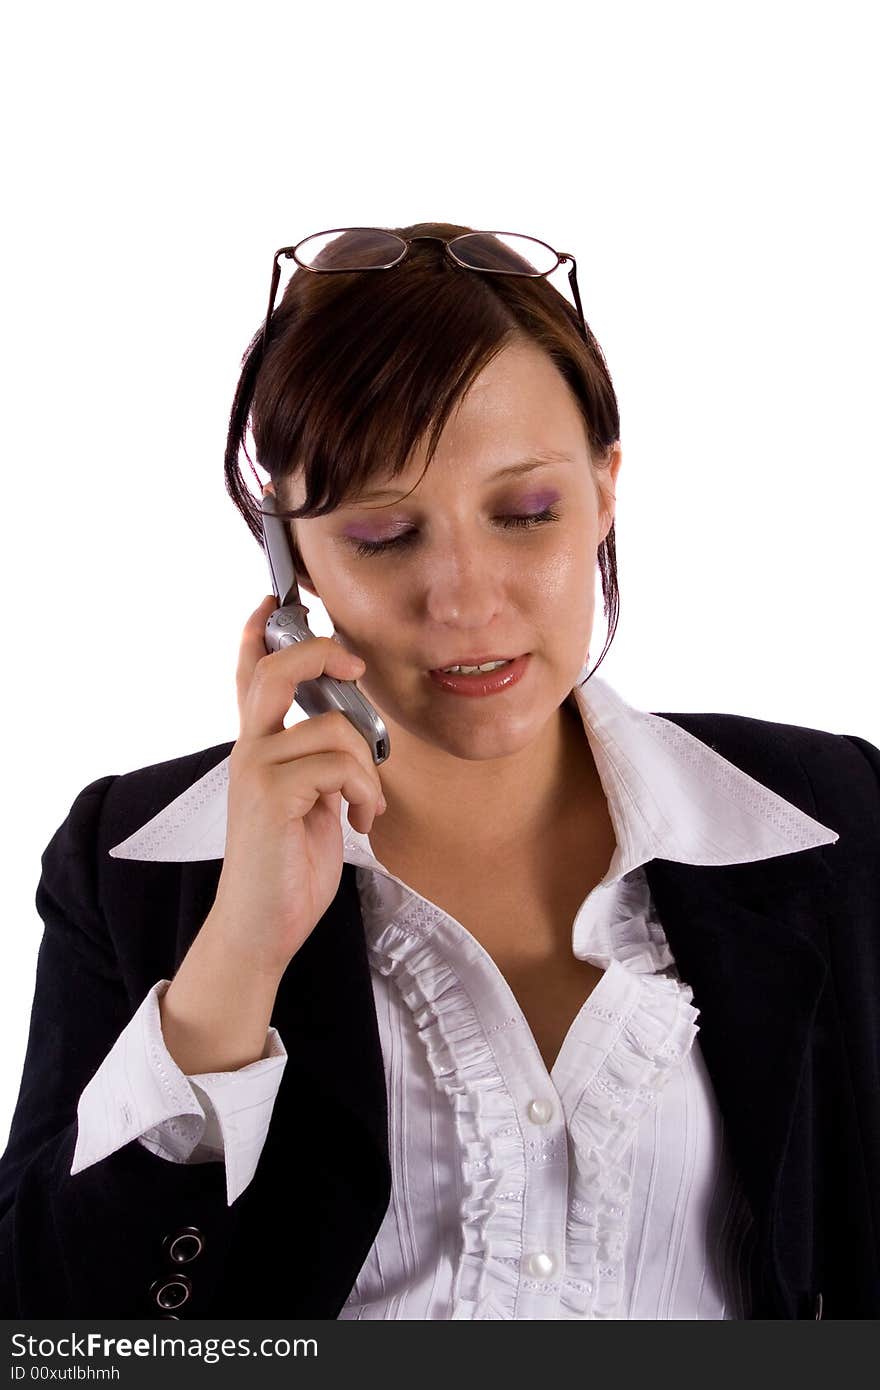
(481, 735)
(481, 749)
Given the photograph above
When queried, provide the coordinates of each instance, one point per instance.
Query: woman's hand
(283, 856)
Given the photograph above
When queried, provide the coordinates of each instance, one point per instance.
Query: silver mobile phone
(289, 623)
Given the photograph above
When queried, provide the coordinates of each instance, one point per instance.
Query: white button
(540, 1111)
(541, 1264)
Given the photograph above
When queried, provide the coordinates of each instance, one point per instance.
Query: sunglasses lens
(351, 248)
(506, 252)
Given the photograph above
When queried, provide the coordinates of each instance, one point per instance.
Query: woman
(313, 1037)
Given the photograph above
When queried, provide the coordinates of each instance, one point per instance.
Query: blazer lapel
(751, 940)
(326, 1013)
(324, 1009)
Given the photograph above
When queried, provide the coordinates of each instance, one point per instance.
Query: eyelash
(525, 521)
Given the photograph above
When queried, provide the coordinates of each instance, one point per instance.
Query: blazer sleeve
(104, 1241)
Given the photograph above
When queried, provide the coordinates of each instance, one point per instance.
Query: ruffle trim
(634, 935)
(491, 1142)
(658, 1033)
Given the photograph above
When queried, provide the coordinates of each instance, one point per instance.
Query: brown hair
(359, 367)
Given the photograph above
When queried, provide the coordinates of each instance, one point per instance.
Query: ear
(303, 578)
(607, 483)
(304, 581)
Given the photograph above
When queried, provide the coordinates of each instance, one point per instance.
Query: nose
(465, 588)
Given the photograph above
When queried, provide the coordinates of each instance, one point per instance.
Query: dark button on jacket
(172, 1291)
(184, 1245)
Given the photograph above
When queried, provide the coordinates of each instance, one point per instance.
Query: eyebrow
(523, 465)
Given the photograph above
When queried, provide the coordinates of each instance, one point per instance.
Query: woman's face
(449, 576)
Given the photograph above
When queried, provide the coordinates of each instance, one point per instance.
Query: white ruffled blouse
(516, 1190)
(600, 1189)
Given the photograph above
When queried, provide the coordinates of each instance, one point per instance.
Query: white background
(711, 166)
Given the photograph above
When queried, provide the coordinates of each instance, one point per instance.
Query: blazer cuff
(139, 1092)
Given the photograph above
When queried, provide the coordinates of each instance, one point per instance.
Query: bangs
(369, 375)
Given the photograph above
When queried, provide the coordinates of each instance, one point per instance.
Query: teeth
(469, 670)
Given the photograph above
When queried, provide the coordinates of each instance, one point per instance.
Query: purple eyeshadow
(363, 533)
(534, 502)
(539, 501)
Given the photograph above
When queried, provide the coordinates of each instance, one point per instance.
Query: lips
(473, 660)
(482, 683)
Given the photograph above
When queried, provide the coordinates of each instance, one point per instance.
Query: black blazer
(783, 956)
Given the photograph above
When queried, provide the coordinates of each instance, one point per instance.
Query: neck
(472, 811)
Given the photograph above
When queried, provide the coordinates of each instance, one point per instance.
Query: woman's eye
(405, 537)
